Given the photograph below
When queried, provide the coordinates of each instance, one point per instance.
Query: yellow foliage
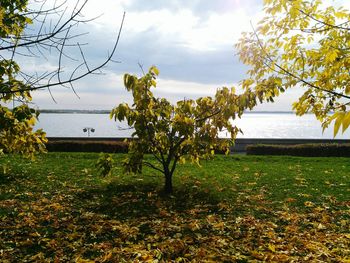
(301, 44)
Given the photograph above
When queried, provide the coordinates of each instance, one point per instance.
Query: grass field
(232, 209)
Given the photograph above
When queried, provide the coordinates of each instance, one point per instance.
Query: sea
(285, 125)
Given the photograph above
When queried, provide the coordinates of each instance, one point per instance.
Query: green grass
(57, 207)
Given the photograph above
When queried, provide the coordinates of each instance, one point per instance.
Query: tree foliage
(302, 44)
(173, 133)
(16, 125)
(35, 30)
(104, 164)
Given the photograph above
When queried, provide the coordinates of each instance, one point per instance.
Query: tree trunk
(168, 188)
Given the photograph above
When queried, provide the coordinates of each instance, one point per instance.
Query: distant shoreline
(77, 111)
(108, 112)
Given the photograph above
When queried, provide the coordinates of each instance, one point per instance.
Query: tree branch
(56, 30)
(73, 78)
(153, 167)
(290, 73)
(325, 23)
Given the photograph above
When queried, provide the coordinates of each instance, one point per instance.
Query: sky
(191, 43)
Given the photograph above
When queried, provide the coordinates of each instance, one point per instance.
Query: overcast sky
(191, 42)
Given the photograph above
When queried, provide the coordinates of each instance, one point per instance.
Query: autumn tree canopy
(188, 130)
(302, 44)
(35, 30)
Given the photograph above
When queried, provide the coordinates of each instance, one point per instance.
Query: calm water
(254, 125)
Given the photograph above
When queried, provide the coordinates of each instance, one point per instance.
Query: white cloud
(188, 89)
(182, 26)
(113, 93)
(191, 42)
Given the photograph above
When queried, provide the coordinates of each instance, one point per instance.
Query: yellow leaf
(107, 257)
(81, 260)
(332, 56)
(321, 226)
(272, 247)
(155, 70)
(219, 225)
(338, 116)
(309, 204)
(347, 89)
(346, 121)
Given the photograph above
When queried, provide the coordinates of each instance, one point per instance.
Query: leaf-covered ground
(232, 209)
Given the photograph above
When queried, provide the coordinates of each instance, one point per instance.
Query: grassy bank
(234, 208)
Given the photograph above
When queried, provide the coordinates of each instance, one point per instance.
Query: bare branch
(82, 55)
(57, 29)
(73, 77)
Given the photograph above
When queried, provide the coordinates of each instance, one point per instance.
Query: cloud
(199, 7)
(191, 42)
(183, 64)
(200, 25)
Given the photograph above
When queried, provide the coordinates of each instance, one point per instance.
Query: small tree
(302, 44)
(173, 133)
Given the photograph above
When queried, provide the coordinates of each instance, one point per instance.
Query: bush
(88, 146)
(314, 150)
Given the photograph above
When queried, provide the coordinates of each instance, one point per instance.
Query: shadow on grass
(4, 179)
(13, 178)
(131, 201)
